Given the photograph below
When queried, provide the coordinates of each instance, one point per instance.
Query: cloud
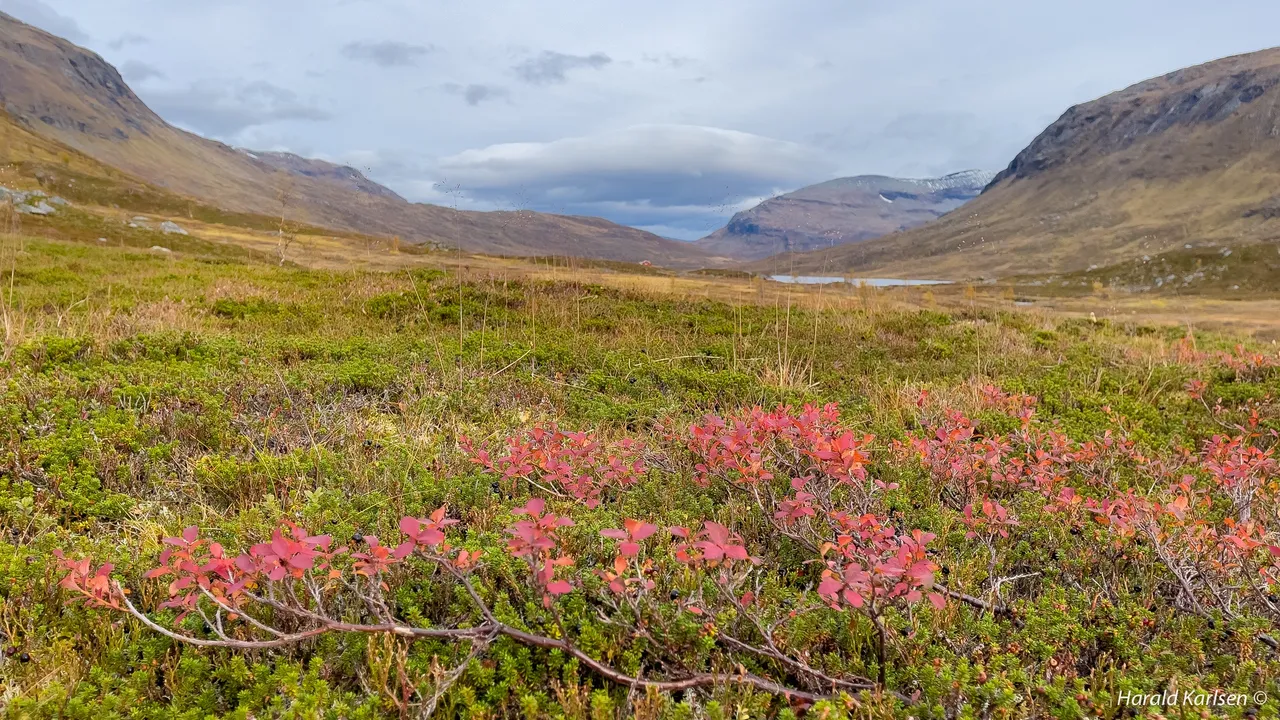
(475, 94)
(386, 53)
(551, 67)
(667, 59)
(126, 40)
(223, 110)
(136, 71)
(37, 13)
(644, 174)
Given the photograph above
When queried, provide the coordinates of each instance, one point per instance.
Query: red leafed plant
(1240, 469)
(757, 446)
(874, 565)
(871, 566)
(628, 572)
(959, 460)
(295, 587)
(713, 546)
(563, 463)
(634, 533)
(986, 519)
(1016, 405)
(87, 584)
(535, 540)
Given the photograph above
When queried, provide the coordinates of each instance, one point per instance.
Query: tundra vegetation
(233, 487)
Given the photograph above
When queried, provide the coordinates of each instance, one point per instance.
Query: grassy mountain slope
(1189, 158)
(103, 195)
(841, 211)
(1235, 272)
(70, 94)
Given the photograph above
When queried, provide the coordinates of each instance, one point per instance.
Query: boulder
(171, 228)
(16, 197)
(158, 248)
(40, 208)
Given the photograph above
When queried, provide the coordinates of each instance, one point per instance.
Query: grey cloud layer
(674, 175)
(550, 67)
(474, 94)
(126, 40)
(386, 53)
(35, 12)
(223, 110)
(136, 71)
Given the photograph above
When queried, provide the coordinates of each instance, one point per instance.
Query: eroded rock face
(40, 208)
(1202, 95)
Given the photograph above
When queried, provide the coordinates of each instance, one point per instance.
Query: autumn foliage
(1206, 515)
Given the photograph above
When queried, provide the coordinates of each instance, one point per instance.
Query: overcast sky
(668, 115)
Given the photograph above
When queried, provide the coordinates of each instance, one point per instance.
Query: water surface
(870, 282)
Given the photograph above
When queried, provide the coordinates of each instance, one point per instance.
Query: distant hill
(59, 90)
(841, 211)
(1191, 158)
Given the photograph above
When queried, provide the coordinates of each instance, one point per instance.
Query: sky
(668, 115)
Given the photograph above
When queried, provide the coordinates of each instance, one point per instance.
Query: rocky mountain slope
(841, 211)
(1187, 160)
(67, 93)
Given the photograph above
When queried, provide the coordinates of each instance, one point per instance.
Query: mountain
(1190, 159)
(59, 90)
(841, 211)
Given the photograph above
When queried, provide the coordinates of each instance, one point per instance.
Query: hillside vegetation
(1247, 272)
(1048, 512)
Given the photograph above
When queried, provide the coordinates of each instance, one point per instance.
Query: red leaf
(716, 532)
(640, 530)
(410, 526)
(534, 507)
(559, 587)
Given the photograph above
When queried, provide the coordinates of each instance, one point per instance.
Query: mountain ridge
(70, 94)
(1187, 159)
(842, 210)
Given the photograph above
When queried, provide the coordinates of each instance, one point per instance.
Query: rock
(40, 208)
(102, 239)
(171, 228)
(58, 201)
(16, 197)
(158, 248)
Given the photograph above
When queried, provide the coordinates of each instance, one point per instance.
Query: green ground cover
(144, 392)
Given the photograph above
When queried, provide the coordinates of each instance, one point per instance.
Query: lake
(871, 282)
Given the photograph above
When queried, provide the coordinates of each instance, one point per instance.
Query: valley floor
(1076, 484)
